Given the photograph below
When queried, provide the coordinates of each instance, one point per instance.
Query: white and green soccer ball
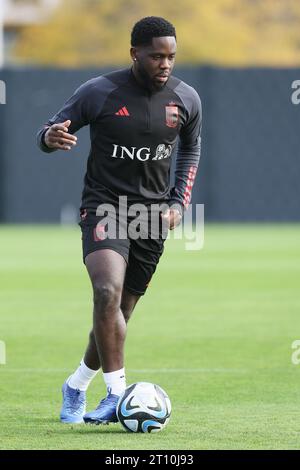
(144, 407)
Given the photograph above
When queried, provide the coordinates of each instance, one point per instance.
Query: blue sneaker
(105, 412)
(73, 407)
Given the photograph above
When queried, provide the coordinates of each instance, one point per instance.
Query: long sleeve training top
(133, 133)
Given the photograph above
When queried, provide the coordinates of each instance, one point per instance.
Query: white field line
(139, 371)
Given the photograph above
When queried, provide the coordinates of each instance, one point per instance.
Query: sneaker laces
(110, 399)
(75, 399)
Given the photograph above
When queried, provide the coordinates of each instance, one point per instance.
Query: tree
(227, 32)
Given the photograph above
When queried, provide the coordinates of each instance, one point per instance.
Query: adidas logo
(122, 112)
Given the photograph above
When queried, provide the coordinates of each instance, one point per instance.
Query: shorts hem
(105, 248)
(134, 291)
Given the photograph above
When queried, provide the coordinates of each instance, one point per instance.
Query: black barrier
(250, 165)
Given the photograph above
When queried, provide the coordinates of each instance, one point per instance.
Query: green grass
(214, 330)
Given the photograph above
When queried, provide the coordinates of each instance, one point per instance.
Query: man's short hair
(150, 27)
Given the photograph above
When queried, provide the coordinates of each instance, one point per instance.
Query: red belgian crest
(171, 115)
(99, 232)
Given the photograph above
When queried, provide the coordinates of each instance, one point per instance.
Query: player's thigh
(105, 258)
(106, 267)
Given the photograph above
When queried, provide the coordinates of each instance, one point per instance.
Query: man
(135, 117)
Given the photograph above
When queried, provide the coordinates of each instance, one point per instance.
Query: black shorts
(141, 254)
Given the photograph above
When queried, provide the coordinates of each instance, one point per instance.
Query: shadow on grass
(93, 430)
(56, 427)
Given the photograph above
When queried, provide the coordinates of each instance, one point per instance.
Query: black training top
(133, 133)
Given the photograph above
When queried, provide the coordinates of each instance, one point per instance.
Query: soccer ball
(144, 407)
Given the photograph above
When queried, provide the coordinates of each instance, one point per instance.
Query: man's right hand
(58, 137)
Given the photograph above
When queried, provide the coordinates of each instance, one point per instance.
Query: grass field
(214, 330)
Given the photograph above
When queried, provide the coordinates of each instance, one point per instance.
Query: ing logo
(2, 353)
(2, 92)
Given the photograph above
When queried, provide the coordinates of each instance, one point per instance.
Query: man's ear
(133, 53)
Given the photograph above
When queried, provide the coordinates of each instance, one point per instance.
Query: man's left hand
(172, 217)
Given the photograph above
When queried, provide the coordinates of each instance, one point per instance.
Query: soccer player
(136, 115)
